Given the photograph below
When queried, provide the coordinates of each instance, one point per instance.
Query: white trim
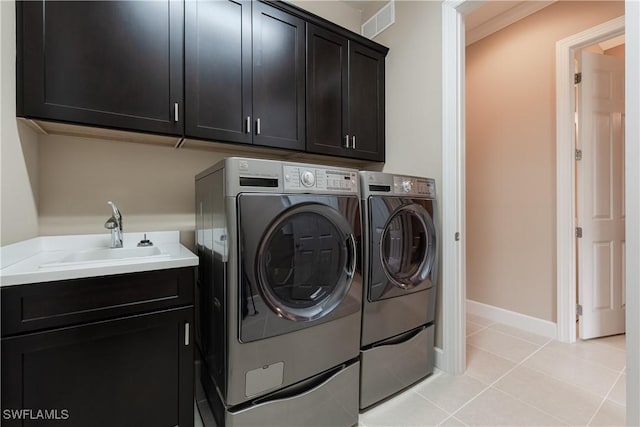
(565, 172)
(527, 323)
(611, 43)
(438, 358)
(453, 206)
(632, 204)
(505, 19)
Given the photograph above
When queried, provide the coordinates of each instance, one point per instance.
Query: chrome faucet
(115, 225)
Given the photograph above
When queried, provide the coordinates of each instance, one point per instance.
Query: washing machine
(400, 261)
(280, 304)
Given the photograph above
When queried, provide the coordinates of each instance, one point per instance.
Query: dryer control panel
(319, 179)
(414, 186)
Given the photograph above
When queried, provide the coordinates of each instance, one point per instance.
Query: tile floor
(515, 378)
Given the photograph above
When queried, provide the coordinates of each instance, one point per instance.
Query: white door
(600, 175)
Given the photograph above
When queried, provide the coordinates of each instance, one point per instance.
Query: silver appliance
(280, 303)
(400, 260)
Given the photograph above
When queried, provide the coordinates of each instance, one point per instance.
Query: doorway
(566, 215)
(453, 98)
(599, 193)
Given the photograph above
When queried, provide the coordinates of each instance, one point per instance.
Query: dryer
(400, 261)
(280, 310)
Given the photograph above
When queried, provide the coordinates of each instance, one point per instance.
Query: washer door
(306, 262)
(404, 247)
(297, 262)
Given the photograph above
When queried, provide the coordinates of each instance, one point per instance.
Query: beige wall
(335, 11)
(616, 51)
(152, 185)
(18, 146)
(414, 97)
(511, 157)
(370, 8)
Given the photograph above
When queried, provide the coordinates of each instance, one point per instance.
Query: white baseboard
(438, 358)
(517, 320)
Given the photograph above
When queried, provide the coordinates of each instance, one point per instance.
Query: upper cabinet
(265, 73)
(218, 70)
(345, 96)
(245, 66)
(116, 64)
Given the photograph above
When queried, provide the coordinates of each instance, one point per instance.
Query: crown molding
(505, 19)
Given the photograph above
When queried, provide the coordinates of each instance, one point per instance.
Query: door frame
(454, 283)
(453, 357)
(566, 252)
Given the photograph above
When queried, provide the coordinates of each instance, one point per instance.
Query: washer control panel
(414, 186)
(312, 178)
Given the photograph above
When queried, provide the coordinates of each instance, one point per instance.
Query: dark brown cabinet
(116, 64)
(345, 97)
(121, 351)
(245, 73)
(266, 73)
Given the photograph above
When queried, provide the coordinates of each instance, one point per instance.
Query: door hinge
(579, 232)
(578, 309)
(577, 78)
(578, 154)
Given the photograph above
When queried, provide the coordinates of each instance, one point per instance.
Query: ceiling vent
(380, 21)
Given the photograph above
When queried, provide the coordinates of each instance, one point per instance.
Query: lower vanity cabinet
(130, 370)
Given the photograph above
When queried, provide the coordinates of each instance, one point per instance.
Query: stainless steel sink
(106, 255)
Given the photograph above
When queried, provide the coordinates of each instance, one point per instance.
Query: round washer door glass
(407, 246)
(306, 262)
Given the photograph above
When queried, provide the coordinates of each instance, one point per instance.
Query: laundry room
(253, 213)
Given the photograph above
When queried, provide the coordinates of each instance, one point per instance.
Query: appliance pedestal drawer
(391, 365)
(327, 399)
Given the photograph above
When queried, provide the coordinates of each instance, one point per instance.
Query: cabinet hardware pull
(186, 333)
(248, 124)
(257, 126)
(175, 112)
(346, 141)
(353, 142)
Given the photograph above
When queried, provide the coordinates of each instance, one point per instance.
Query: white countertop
(39, 259)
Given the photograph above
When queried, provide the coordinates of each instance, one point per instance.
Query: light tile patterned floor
(515, 378)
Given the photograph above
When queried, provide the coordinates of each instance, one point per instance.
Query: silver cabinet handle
(175, 112)
(353, 142)
(248, 124)
(257, 126)
(346, 141)
(186, 333)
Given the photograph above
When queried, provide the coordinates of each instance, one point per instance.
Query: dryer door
(404, 246)
(300, 263)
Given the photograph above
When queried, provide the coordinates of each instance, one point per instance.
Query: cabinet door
(218, 70)
(134, 371)
(327, 68)
(116, 64)
(278, 78)
(366, 102)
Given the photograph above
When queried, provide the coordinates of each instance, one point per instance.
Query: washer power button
(407, 186)
(307, 178)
